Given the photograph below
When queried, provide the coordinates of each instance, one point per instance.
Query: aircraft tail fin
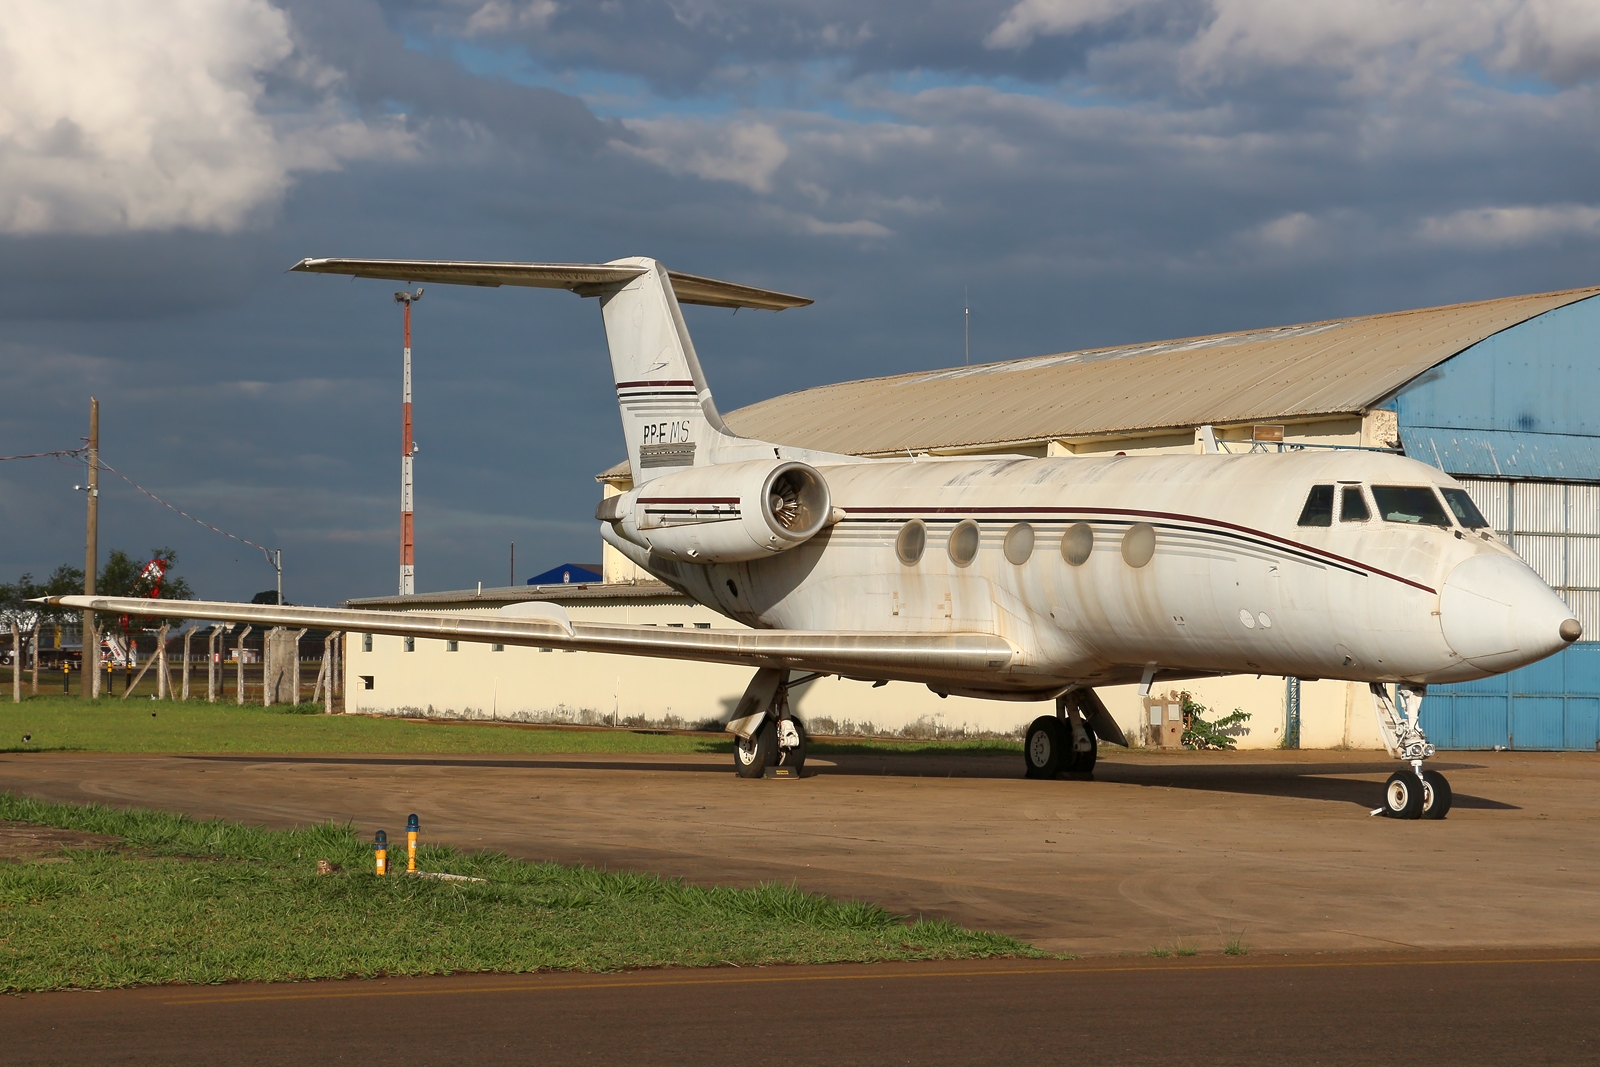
(668, 416)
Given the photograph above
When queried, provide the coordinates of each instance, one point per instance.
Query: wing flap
(906, 656)
(585, 279)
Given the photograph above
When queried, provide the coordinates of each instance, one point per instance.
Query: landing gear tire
(794, 758)
(1403, 795)
(1436, 795)
(1082, 762)
(1042, 750)
(755, 754)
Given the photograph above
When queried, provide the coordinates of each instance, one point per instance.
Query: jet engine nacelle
(727, 513)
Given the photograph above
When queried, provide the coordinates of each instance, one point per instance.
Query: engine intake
(729, 513)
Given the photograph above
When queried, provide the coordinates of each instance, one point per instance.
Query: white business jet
(1006, 578)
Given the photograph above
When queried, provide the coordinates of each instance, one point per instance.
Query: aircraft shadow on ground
(533, 764)
(1330, 782)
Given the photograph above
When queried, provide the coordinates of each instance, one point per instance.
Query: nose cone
(1498, 615)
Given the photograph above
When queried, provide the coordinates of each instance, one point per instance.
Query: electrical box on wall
(1162, 726)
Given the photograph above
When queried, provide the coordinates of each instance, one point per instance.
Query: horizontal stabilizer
(919, 657)
(585, 279)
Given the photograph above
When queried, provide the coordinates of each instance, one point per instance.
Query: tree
(63, 581)
(122, 575)
(1200, 733)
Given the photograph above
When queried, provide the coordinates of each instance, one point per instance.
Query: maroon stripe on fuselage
(689, 500)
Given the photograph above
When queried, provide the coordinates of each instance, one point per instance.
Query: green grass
(187, 901)
(139, 724)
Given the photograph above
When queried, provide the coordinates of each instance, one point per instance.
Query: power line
(215, 529)
(40, 455)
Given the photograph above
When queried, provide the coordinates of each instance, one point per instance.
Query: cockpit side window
(1352, 505)
(1415, 504)
(1466, 511)
(1319, 507)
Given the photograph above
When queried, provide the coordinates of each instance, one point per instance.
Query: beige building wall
(531, 685)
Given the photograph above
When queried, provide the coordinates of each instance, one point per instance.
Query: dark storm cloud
(380, 71)
(1100, 172)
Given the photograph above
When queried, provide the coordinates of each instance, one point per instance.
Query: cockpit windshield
(1416, 504)
(1318, 510)
(1466, 512)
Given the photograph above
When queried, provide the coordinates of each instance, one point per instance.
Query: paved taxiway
(1417, 1009)
(1162, 850)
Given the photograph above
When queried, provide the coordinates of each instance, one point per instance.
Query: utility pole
(277, 561)
(408, 568)
(513, 580)
(91, 553)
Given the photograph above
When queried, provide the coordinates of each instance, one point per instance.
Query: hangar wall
(1505, 417)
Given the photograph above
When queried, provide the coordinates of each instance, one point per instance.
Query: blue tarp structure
(568, 574)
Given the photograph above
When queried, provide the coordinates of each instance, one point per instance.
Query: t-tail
(669, 419)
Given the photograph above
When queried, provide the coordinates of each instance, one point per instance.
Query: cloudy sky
(1091, 171)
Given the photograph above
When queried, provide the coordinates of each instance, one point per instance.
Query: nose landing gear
(1413, 793)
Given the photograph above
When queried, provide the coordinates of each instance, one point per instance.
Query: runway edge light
(380, 853)
(413, 828)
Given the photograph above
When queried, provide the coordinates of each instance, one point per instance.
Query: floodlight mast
(408, 448)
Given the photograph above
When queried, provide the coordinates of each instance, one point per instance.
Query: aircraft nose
(1497, 614)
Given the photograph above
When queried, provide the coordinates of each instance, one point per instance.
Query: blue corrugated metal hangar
(1499, 393)
(1514, 417)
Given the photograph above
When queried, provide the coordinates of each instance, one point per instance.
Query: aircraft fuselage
(1188, 564)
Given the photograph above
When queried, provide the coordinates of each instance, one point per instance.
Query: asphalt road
(1360, 1009)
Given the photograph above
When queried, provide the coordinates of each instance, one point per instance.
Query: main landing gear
(1064, 742)
(1412, 793)
(766, 733)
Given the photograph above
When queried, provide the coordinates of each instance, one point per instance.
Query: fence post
(16, 663)
(213, 667)
(36, 628)
(163, 676)
(270, 654)
(325, 678)
(187, 634)
(238, 652)
(295, 665)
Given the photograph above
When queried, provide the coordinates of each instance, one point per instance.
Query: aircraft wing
(585, 279)
(919, 657)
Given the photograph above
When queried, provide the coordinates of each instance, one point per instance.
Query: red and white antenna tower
(408, 448)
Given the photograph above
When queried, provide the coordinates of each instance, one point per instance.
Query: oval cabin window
(912, 540)
(1077, 543)
(1139, 544)
(1019, 543)
(964, 543)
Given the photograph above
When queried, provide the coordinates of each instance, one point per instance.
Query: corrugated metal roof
(1319, 368)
